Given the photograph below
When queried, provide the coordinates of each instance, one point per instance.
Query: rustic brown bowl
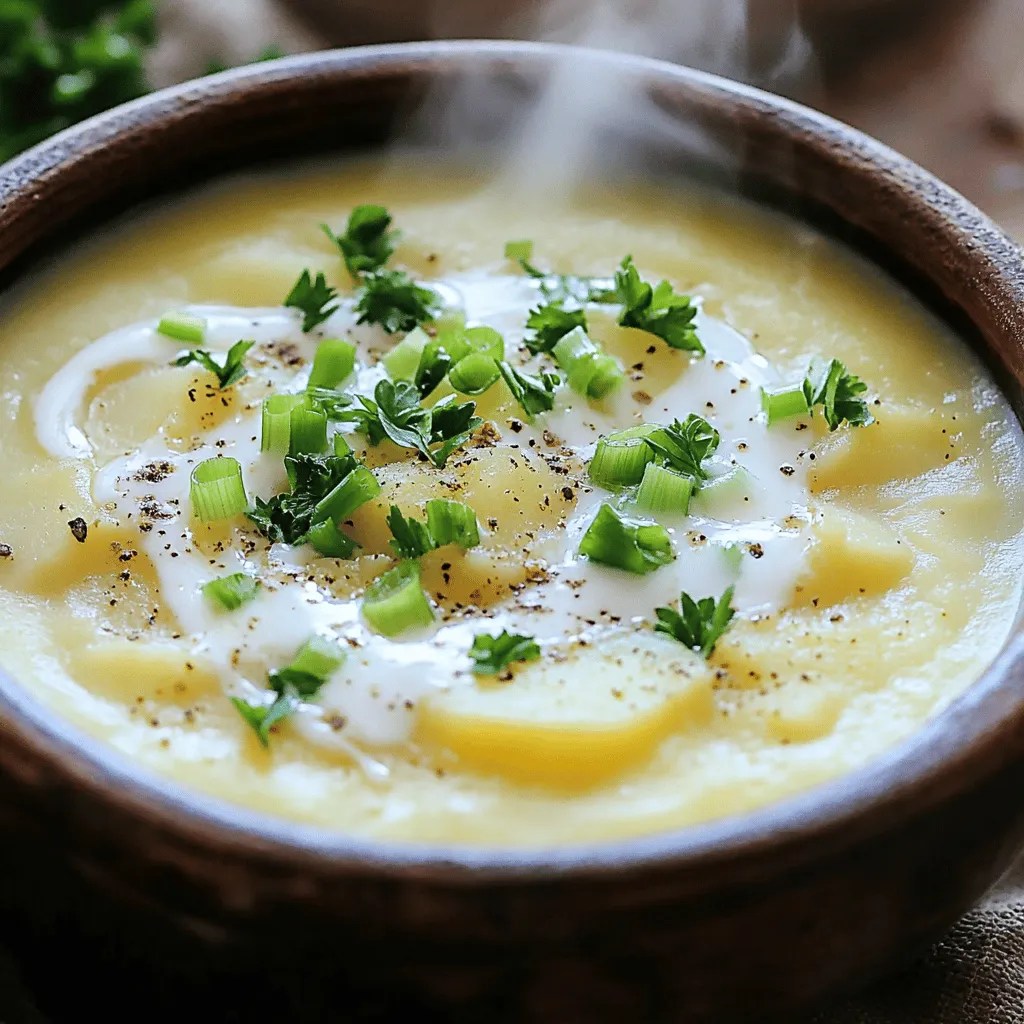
(155, 899)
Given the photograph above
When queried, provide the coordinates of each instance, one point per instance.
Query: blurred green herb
(62, 61)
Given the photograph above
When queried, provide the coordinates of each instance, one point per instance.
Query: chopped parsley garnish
(287, 518)
(231, 371)
(561, 287)
(701, 623)
(492, 655)
(392, 299)
(534, 394)
(838, 392)
(316, 300)
(231, 592)
(61, 62)
(659, 311)
(395, 412)
(684, 446)
(411, 537)
(448, 522)
(434, 364)
(263, 717)
(315, 662)
(550, 323)
(367, 244)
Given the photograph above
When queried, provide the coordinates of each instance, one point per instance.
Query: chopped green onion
(277, 421)
(620, 461)
(452, 522)
(359, 487)
(334, 361)
(485, 340)
(663, 490)
(732, 555)
(474, 374)
(637, 545)
(319, 657)
(589, 371)
(341, 446)
(596, 375)
(572, 346)
(396, 602)
(451, 326)
(307, 429)
(403, 360)
(183, 327)
(732, 488)
(231, 592)
(217, 490)
(328, 539)
(782, 403)
(521, 250)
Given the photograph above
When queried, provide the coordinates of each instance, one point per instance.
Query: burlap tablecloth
(976, 974)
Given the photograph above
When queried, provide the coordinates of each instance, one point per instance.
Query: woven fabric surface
(974, 976)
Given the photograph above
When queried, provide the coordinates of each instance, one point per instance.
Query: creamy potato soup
(412, 508)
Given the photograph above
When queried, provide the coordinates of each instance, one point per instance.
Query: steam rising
(557, 138)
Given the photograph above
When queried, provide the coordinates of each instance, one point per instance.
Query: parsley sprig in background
(62, 61)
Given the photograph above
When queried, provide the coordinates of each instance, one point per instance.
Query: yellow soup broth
(432, 678)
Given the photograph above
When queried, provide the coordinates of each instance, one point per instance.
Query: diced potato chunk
(125, 670)
(852, 554)
(647, 372)
(515, 494)
(181, 401)
(35, 510)
(903, 442)
(803, 713)
(570, 725)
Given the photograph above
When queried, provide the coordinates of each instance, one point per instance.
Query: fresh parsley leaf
(433, 366)
(492, 655)
(287, 518)
(367, 244)
(291, 681)
(829, 385)
(550, 323)
(411, 537)
(395, 301)
(317, 300)
(561, 287)
(701, 623)
(230, 372)
(534, 394)
(395, 412)
(332, 402)
(262, 717)
(61, 62)
(684, 446)
(659, 311)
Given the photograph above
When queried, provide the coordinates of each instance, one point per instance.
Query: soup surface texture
(436, 622)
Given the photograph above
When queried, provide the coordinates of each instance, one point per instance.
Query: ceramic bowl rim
(944, 755)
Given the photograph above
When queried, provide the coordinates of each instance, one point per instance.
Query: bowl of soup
(487, 587)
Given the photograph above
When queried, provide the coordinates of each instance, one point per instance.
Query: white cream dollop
(376, 692)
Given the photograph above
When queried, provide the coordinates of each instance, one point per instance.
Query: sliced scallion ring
(217, 491)
(395, 602)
